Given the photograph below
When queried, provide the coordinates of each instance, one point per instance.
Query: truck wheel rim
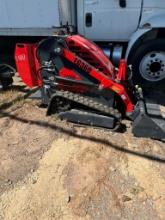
(152, 66)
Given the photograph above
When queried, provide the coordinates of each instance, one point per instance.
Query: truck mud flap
(149, 123)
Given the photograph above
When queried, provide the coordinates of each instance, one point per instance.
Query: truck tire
(148, 62)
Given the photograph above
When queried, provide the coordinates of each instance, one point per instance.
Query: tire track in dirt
(148, 175)
(43, 195)
(79, 179)
(72, 182)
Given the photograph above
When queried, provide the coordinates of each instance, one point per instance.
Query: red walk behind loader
(79, 83)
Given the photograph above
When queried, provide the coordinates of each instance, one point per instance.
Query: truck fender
(134, 38)
(147, 25)
(157, 21)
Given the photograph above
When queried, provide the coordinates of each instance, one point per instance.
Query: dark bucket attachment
(149, 123)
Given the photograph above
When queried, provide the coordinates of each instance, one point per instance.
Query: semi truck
(130, 29)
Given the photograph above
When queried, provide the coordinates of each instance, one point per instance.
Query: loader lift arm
(104, 81)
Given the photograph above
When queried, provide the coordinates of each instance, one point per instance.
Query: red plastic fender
(27, 64)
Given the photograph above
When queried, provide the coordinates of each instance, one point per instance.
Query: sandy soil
(54, 170)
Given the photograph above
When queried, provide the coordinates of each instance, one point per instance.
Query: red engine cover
(27, 64)
(91, 53)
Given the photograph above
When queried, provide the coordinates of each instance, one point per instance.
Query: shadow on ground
(73, 134)
(27, 93)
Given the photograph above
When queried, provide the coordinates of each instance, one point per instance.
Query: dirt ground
(55, 170)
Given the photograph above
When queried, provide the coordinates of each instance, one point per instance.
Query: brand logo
(82, 65)
(21, 57)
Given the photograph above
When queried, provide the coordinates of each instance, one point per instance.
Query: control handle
(88, 20)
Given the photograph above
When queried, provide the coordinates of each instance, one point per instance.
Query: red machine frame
(28, 67)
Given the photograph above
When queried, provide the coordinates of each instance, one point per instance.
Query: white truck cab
(136, 28)
(106, 20)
